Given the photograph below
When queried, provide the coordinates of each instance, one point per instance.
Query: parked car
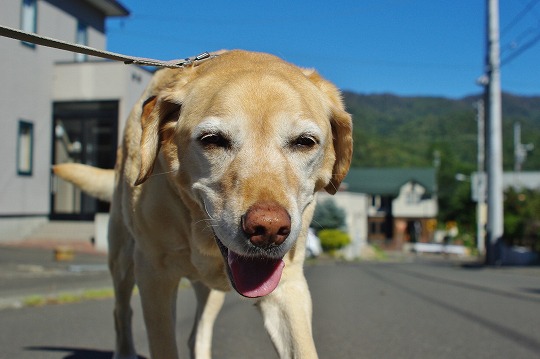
(313, 245)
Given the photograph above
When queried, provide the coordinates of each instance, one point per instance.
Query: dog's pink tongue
(255, 277)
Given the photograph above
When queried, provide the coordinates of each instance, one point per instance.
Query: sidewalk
(30, 271)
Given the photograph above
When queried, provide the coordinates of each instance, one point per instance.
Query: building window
(376, 202)
(81, 38)
(25, 148)
(414, 195)
(29, 18)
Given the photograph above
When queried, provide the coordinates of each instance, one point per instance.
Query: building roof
(109, 7)
(388, 181)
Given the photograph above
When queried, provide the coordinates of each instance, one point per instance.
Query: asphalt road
(417, 309)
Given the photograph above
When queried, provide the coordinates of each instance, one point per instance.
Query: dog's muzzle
(251, 277)
(267, 225)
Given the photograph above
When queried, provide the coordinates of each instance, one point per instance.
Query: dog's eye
(305, 142)
(210, 140)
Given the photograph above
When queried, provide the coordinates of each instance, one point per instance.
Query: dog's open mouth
(251, 277)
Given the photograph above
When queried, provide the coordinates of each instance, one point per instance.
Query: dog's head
(250, 139)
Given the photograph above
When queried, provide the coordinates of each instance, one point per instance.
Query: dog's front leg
(158, 287)
(209, 303)
(287, 317)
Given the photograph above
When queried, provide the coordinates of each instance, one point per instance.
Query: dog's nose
(266, 224)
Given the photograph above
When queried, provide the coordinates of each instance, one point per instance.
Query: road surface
(415, 309)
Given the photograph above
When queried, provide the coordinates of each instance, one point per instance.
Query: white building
(388, 207)
(57, 106)
(356, 206)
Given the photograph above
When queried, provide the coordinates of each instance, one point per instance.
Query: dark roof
(109, 7)
(388, 181)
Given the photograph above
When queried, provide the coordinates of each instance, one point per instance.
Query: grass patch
(33, 301)
(80, 296)
(380, 254)
(68, 297)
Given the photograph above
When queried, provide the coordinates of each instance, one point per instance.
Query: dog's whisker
(208, 220)
(333, 185)
(317, 223)
(206, 210)
(162, 173)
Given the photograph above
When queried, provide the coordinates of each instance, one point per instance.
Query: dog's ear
(343, 147)
(158, 120)
(341, 122)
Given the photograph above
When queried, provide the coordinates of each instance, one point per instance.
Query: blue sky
(405, 47)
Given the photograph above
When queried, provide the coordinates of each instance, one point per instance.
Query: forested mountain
(406, 131)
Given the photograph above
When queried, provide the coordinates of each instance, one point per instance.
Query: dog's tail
(95, 182)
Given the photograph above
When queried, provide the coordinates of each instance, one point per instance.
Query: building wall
(29, 75)
(411, 202)
(88, 14)
(101, 81)
(26, 94)
(356, 207)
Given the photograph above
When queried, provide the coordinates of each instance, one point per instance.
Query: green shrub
(333, 239)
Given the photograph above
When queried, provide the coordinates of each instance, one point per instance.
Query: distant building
(517, 180)
(356, 209)
(390, 206)
(57, 106)
(521, 180)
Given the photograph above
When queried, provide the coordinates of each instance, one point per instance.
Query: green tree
(455, 203)
(395, 131)
(328, 216)
(522, 218)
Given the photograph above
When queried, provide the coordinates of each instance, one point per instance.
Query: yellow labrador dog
(216, 181)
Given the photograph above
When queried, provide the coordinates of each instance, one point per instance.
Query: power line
(521, 49)
(515, 43)
(512, 45)
(519, 16)
(523, 41)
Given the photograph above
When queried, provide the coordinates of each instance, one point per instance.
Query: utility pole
(481, 181)
(519, 154)
(495, 228)
(520, 149)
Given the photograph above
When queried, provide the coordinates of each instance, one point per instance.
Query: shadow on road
(531, 290)
(77, 353)
(524, 340)
(477, 287)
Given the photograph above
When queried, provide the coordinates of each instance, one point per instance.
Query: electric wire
(525, 40)
(519, 16)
